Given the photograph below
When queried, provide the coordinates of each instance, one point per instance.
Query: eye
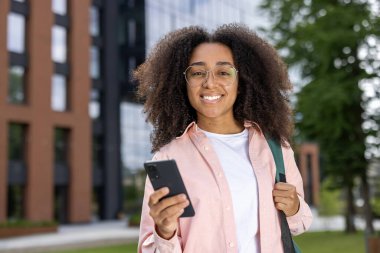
(224, 72)
(197, 73)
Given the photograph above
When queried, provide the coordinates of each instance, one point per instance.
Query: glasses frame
(207, 76)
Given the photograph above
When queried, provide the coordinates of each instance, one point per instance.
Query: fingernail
(183, 196)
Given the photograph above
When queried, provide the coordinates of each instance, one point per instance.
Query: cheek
(191, 95)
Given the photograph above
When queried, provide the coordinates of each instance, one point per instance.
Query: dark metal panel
(61, 175)
(61, 68)
(111, 202)
(97, 84)
(97, 3)
(18, 59)
(138, 50)
(21, 8)
(97, 127)
(97, 176)
(97, 41)
(62, 20)
(16, 173)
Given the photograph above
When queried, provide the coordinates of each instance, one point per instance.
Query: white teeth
(210, 98)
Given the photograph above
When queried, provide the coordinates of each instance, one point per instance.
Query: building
(45, 155)
(62, 77)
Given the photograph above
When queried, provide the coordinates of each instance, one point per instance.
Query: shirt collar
(194, 127)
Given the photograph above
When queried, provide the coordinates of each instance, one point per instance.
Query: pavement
(104, 233)
(73, 237)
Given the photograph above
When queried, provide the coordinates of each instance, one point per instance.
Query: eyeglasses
(197, 75)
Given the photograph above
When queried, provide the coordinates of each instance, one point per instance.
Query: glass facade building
(174, 14)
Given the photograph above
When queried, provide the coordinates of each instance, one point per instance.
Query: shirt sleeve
(149, 240)
(301, 221)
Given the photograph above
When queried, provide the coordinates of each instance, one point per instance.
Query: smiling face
(213, 101)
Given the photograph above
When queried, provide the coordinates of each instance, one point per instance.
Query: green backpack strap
(275, 147)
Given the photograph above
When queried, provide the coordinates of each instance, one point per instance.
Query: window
(16, 142)
(16, 33)
(135, 136)
(59, 93)
(15, 199)
(59, 44)
(131, 64)
(61, 146)
(131, 32)
(94, 62)
(94, 106)
(94, 21)
(59, 7)
(97, 152)
(16, 85)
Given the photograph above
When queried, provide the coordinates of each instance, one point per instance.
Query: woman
(211, 98)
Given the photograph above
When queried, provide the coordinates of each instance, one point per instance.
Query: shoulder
(175, 146)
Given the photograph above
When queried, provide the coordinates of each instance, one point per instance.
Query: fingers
(157, 195)
(166, 211)
(172, 213)
(284, 190)
(286, 198)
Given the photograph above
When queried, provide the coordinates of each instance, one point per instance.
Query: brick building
(60, 96)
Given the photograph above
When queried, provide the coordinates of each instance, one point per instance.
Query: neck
(220, 126)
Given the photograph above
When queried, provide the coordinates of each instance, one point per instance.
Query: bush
(135, 219)
(375, 203)
(331, 202)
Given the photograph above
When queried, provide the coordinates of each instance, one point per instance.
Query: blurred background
(73, 137)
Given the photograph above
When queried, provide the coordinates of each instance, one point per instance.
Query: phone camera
(153, 172)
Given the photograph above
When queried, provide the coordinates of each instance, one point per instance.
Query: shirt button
(220, 174)
(206, 148)
(231, 244)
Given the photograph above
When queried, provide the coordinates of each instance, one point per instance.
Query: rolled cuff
(172, 245)
(300, 221)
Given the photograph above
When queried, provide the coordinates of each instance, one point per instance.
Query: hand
(286, 198)
(166, 212)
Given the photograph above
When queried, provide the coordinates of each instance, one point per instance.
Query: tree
(325, 40)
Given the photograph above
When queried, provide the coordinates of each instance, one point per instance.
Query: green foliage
(375, 202)
(326, 39)
(331, 242)
(133, 193)
(135, 219)
(331, 202)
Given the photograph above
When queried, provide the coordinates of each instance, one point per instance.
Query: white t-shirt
(232, 151)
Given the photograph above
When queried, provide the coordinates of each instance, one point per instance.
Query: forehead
(211, 53)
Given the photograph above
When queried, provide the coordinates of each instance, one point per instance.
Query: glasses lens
(196, 75)
(223, 75)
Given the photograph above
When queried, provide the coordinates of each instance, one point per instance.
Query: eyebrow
(219, 63)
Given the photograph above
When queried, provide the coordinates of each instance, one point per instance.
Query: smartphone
(165, 173)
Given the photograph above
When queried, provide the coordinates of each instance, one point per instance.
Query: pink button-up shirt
(212, 229)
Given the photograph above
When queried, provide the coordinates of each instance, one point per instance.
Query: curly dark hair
(262, 92)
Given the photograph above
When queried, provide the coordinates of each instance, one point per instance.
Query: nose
(210, 80)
